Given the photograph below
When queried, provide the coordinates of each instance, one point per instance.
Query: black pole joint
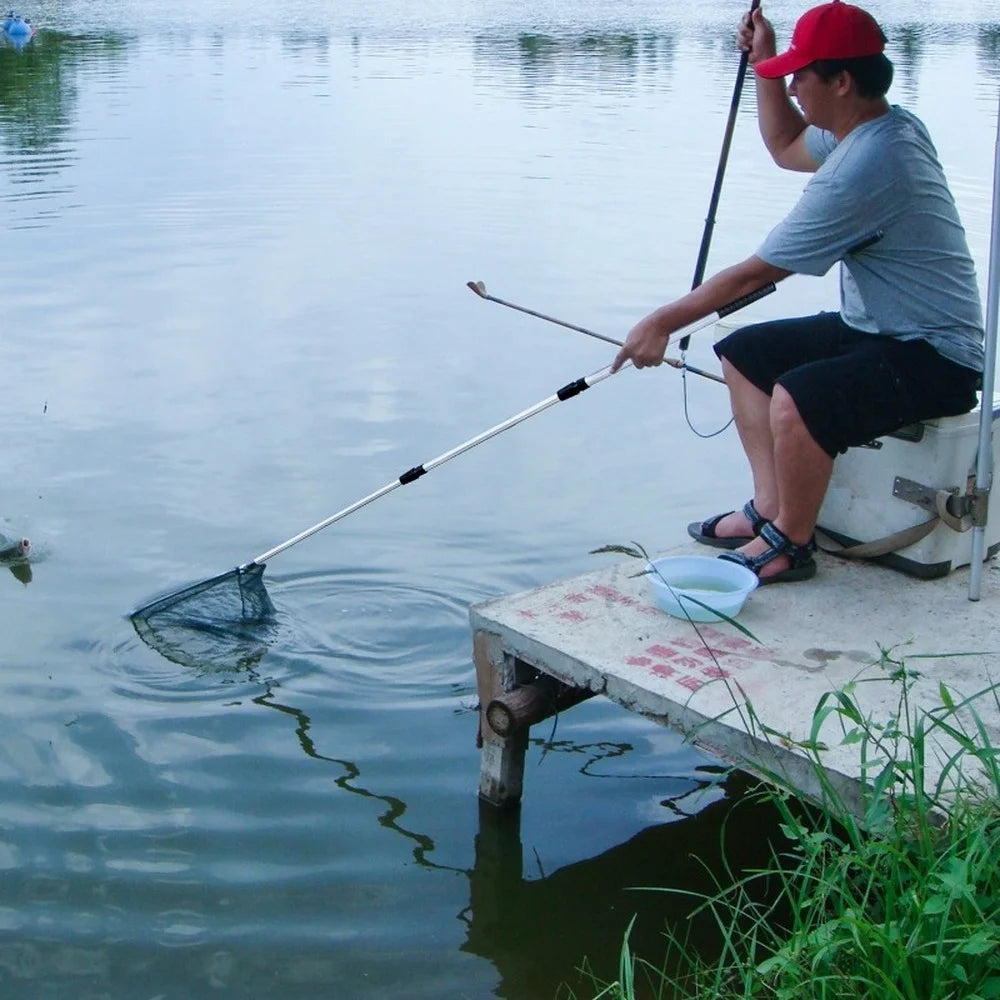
(573, 389)
(415, 473)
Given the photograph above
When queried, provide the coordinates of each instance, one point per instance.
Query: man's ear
(844, 83)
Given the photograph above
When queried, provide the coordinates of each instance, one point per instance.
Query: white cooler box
(874, 493)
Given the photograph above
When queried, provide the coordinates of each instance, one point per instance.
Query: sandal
(704, 531)
(802, 564)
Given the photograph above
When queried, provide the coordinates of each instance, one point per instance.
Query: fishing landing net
(229, 615)
(224, 621)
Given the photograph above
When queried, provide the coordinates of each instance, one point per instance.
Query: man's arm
(647, 340)
(781, 125)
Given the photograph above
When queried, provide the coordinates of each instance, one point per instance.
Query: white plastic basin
(696, 587)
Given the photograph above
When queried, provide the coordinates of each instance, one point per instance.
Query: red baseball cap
(831, 31)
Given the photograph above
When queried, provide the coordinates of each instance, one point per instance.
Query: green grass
(896, 898)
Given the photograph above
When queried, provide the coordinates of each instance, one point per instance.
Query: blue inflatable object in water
(16, 26)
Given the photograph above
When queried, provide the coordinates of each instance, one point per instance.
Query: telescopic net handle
(746, 300)
(568, 391)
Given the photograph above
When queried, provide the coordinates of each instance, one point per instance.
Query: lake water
(236, 242)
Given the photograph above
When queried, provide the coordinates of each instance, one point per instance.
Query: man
(907, 342)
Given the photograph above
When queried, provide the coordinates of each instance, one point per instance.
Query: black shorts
(850, 387)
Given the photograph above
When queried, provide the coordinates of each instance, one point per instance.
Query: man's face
(814, 95)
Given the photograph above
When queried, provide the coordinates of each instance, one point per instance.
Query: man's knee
(785, 414)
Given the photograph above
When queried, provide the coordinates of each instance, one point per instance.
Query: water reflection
(610, 62)
(535, 927)
(307, 43)
(17, 42)
(39, 95)
(21, 571)
(617, 61)
(908, 42)
(349, 781)
(536, 930)
(988, 47)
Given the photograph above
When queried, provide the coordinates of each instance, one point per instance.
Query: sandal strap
(778, 544)
(709, 525)
(753, 515)
(781, 544)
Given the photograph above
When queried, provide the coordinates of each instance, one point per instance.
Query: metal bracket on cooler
(979, 503)
(917, 493)
(954, 509)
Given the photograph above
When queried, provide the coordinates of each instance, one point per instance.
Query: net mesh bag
(221, 621)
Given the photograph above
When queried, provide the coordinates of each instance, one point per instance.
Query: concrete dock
(603, 634)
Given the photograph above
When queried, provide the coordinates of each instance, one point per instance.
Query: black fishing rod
(720, 172)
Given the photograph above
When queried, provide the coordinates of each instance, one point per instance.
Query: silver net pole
(984, 460)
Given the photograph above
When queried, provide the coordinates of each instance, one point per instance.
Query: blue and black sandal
(704, 531)
(802, 565)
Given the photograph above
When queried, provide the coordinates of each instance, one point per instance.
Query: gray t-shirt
(919, 279)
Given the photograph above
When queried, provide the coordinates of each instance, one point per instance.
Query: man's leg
(850, 386)
(752, 415)
(753, 358)
(802, 471)
(802, 468)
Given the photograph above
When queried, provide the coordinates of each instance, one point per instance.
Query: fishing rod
(479, 288)
(727, 140)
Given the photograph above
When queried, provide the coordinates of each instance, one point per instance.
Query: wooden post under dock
(545, 650)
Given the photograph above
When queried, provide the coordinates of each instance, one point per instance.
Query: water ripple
(353, 619)
(340, 630)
